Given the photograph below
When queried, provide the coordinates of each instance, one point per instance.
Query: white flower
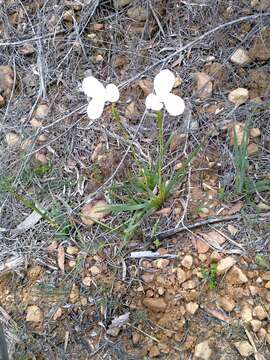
(163, 84)
(98, 94)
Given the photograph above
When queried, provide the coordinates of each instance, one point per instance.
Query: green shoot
(211, 276)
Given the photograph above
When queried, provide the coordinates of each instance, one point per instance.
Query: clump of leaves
(211, 276)
(144, 194)
(262, 262)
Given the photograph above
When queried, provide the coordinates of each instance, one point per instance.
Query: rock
(72, 250)
(154, 351)
(244, 348)
(204, 86)
(267, 338)
(190, 284)
(95, 270)
(259, 312)
(87, 281)
(34, 272)
(203, 257)
(35, 123)
(236, 276)
(238, 96)
(254, 290)
(93, 211)
(225, 264)
(262, 334)
(181, 275)
(202, 246)
(42, 111)
(260, 48)
(255, 325)
(114, 331)
(12, 139)
(83, 301)
(226, 303)
(192, 307)
(187, 262)
(240, 57)
(156, 305)
(74, 294)
(262, 206)
(138, 13)
(6, 81)
(255, 132)
(246, 313)
(267, 285)
(2, 101)
(41, 158)
(252, 149)
(34, 314)
(202, 351)
(266, 276)
(118, 4)
(147, 277)
(161, 263)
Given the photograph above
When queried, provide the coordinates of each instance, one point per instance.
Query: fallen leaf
(117, 323)
(219, 315)
(52, 247)
(27, 223)
(235, 208)
(131, 109)
(237, 133)
(146, 85)
(204, 86)
(232, 230)
(27, 49)
(57, 314)
(61, 258)
(91, 212)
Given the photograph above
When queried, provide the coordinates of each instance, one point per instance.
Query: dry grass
(184, 32)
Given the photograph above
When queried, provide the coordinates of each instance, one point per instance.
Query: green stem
(161, 148)
(122, 130)
(30, 205)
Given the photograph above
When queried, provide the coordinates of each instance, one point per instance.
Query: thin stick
(171, 232)
(195, 41)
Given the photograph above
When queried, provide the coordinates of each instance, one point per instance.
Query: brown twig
(214, 220)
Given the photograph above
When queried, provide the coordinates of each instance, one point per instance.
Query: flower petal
(152, 103)
(163, 83)
(93, 88)
(95, 108)
(174, 104)
(112, 93)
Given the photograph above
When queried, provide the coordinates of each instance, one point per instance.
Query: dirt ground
(193, 280)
